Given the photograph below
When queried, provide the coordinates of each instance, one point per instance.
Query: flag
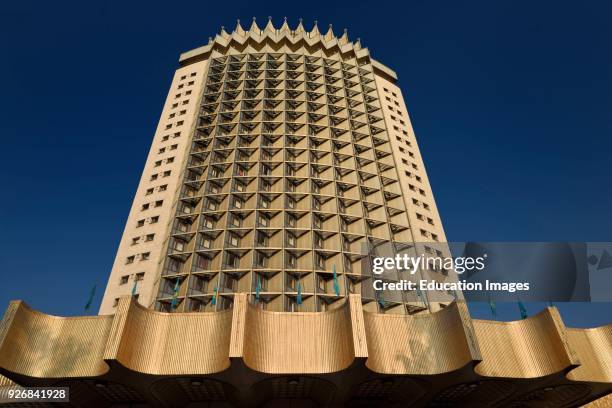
(258, 288)
(175, 294)
(214, 298)
(299, 293)
(92, 293)
(522, 309)
(336, 286)
(134, 287)
(493, 306)
(381, 298)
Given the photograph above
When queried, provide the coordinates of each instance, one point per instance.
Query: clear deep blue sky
(511, 102)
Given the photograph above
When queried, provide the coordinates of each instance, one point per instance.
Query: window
(186, 101)
(188, 93)
(145, 207)
(154, 177)
(115, 302)
(145, 256)
(174, 105)
(163, 187)
(290, 240)
(434, 237)
(139, 276)
(212, 205)
(135, 240)
(291, 260)
(404, 161)
(183, 77)
(178, 95)
(173, 147)
(172, 115)
(177, 134)
(169, 126)
(158, 163)
(140, 223)
(149, 191)
(155, 219)
(423, 232)
(179, 245)
(124, 279)
(129, 259)
(208, 223)
(236, 221)
(149, 237)
(234, 240)
(160, 151)
(179, 123)
(190, 83)
(426, 206)
(264, 221)
(182, 112)
(167, 173)
(237, 202)
(170, 160)
(181, 86)
(159, 203)
(165, 138)
(206, 243)
(192, 74)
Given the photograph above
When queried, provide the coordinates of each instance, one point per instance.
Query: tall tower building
(283, 161)
(282, 157)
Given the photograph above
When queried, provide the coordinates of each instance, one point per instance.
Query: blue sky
(511, 102)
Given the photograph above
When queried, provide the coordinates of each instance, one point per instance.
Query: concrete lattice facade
(291, 159)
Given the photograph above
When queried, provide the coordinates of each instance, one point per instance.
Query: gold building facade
(283, 157)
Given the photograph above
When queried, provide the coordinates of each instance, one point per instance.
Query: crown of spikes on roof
(284, 30)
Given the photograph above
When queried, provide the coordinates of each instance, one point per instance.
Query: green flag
(493, 306)
(336, 286)
(299, 293)
(92, 293)
(380, 298)
(522, 309)
(214, 298)
(258, 287)
(134, 287)
(174, 302)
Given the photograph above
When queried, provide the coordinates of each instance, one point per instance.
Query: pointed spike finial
(300, 28)
(270, 26)
(254, 27)
(330, 34)
(239, 30)
(285, 27)
(315, 30)
(344, 39)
